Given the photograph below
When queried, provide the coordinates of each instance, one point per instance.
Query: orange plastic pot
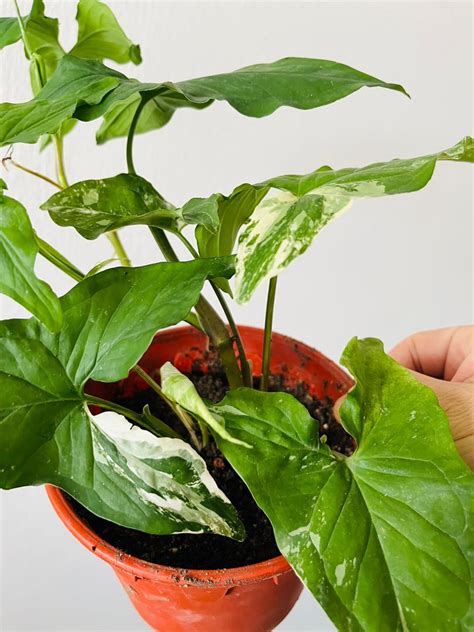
(253, 598)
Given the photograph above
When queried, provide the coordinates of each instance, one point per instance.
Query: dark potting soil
(204, 551)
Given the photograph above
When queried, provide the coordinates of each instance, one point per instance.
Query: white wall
(387, 268)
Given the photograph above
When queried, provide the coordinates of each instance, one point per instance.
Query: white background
(387, 268)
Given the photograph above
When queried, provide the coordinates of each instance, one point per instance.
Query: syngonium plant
(381, 538)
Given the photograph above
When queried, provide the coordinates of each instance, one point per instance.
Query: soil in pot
(212, 551)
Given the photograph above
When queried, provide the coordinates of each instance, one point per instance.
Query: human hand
(443, 359)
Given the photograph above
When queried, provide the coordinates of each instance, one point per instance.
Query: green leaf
(10, 32)
(86, 90)
(18, 250)
(94, 207)
(178, 388)
(47, 434)
(202, 211)
(294, 81)
(100, 36)
(155, 114)
(75, 82)
(381, 538)
(281, 228)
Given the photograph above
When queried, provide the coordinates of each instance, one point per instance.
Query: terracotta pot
(253, 598)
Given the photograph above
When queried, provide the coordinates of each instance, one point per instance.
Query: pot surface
(253, 598)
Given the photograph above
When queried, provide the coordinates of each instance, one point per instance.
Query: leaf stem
(30, 171)
(57, 259)
(117, 245)
(131, 132)
(60, 168)
(22, 29)
(244, 364)
(267, 338)
(158, 427)
(210, 319)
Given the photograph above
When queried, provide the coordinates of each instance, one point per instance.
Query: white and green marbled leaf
(280, 229)
(164, 475)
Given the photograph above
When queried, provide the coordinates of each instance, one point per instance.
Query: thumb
(457, 401)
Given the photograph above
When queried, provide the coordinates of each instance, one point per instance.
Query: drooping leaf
(100, 35)
(10, 31)
(18, 250)
(86, 90)
(178, 388)
(381, 538)
(46, 432)
(94, 207)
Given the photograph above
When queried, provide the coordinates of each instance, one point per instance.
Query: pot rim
(157, 572)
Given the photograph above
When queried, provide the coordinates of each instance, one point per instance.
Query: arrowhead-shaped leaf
(281, 228)
(94, 207)
(381, 538)
(87, 90)
(100, 35)
(18, 250)
(47, 434)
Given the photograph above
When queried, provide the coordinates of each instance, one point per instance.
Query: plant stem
(57, 259)
(244, 364)
(267, 339)
(210, 320)
(31, 172)
(117, 245)
(182, 415)
(131, 132)
(157, 427)
(58, 144)
(22, 29)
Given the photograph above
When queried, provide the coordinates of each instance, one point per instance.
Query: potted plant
(204, 462)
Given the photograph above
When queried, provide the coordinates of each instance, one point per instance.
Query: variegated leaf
(163, 478)
(94, 207)
(280, 229)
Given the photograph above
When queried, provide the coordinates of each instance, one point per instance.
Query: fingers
(442, 353)
(457, 401)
